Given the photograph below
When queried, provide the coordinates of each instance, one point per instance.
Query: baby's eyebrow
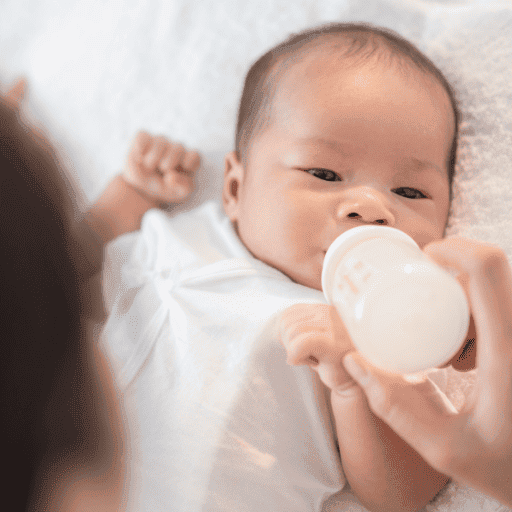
(417, 165)
(344, 149)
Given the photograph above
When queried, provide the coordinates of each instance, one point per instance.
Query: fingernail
(357, 372)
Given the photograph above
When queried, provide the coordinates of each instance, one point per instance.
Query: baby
(338, 126)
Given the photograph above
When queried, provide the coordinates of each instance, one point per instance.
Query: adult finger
(16, 93)
(465, 359)
(490, 293)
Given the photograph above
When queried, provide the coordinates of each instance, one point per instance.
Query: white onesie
(218, 420)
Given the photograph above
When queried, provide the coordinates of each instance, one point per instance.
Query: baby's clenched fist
(161, 169)
(314, 335)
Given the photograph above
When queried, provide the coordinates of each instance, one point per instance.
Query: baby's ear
(233, 180)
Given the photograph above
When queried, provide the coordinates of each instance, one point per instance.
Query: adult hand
(16, 93)
(15, 98)
(473, 446)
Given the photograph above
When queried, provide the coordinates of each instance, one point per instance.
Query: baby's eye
(324, 174)
(410, 193)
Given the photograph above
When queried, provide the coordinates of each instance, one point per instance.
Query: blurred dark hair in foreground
(59, 416)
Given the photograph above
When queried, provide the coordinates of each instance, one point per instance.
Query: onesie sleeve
(131, 301)
(117, 254)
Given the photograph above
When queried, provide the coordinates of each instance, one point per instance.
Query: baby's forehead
(301, 72)
(322, 61)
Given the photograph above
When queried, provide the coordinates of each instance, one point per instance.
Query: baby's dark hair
(348, 40)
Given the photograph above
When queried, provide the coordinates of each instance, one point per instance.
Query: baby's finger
(300, 326)
(334, 376)
(133, 167)
(307, 348)
(301, 318)
(171, 158)
(191, 161)
(141, 144)
(152, 158)
(177, 187)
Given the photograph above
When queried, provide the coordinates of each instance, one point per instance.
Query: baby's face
(343, 149)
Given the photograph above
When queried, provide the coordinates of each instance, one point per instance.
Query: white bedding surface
(99, 71)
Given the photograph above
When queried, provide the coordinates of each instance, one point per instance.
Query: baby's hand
(314, 335)
(160, 169)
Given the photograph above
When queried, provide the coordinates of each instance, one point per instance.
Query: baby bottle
(403, 312)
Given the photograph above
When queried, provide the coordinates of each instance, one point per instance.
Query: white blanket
(99, 71)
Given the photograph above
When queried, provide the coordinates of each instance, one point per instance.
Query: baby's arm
(384, 472)
(157, 171)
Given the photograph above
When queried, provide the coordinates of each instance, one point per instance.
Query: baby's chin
(311, 276)
(311, 281)
(307, 274)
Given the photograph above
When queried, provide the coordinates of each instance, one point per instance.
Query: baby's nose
(366, 205)
(368, 218)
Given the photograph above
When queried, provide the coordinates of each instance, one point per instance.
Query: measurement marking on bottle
(353, 287)
(359, 265)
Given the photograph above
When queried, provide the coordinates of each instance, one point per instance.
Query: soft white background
(98, 71)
